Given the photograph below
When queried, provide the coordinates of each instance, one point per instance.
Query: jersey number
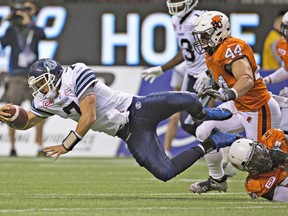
(190, 56)
(232, 53)
(222, 83)
(71, 106)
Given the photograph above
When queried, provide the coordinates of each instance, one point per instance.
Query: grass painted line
(142, 208)
(118, 194)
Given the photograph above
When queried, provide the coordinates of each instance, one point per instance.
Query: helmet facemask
(180, 8)
(38, 84)
(284, 26)
(259, 160)
(284, 30)
(203, 42)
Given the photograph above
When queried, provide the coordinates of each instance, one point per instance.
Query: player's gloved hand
(203, 94)
(152, 73)
(278, 155)
(267, 80)
(220, 96)
(203, 81)
(284, 92)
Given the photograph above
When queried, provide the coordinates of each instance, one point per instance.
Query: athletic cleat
(209, 185)
(13, 153)
(217, 114)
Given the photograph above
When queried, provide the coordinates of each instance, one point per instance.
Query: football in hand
(19, 116)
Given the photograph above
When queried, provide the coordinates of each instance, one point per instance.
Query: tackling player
(282, 73)
(77, 94)
(232, 64)
(267, 164)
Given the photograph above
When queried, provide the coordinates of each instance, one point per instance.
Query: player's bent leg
(161, 105)
(218, 180)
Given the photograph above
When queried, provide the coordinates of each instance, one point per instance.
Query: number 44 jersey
(76, 80)
(219, 65)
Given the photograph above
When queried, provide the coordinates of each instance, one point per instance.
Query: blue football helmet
(45, 72)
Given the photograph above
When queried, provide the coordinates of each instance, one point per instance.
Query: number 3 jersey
(260, 184)
(75, 81)
(183, 28)
(219, 65)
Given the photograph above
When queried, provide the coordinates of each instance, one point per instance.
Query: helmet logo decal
(217, 21)
(51, 64)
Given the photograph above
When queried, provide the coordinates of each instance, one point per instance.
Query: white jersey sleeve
(81, 78)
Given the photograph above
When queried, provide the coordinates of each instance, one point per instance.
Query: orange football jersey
(260, 184)
(227, 52)
(282, 50)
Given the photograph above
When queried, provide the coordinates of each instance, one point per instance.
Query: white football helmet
(211, 28)
(180, 7)
(284, 26)
(251, 156)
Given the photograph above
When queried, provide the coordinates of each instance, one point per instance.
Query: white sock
(214, 163)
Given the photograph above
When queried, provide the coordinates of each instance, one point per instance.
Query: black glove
(278, 155)
(203, 94)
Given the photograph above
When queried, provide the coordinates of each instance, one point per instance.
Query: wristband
(71, 140)
(231, 95)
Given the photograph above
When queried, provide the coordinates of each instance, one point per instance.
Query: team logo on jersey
(267, 134)
(68, 92)
(249, 119)
(47, 103)
(217, 21)
(270, 182)
(138, 105)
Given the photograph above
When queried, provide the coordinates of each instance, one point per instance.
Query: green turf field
(104, 186)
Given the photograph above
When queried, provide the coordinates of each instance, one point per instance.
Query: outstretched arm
(32, 119)
(88, 117)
